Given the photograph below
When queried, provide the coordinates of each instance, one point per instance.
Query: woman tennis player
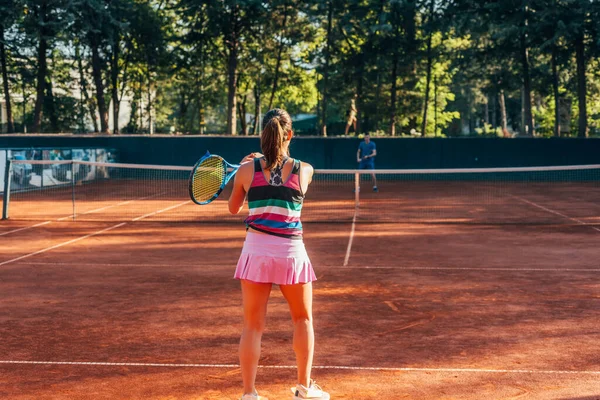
(274, 252)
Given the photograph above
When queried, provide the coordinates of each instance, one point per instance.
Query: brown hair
(276, 124)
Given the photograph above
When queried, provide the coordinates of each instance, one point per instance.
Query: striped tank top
(275, 209)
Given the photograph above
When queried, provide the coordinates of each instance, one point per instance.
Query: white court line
(84, 213)
(580, 222)
(356, 208)
(62, 244)
(474, 269)
(120, 204)
(335, 367)
(161, 211)
(111, 264)
(349, 248)
(331, 266)
(91, 234)
(27, 227)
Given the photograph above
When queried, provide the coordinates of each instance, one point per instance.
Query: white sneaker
(314, 391)
(253, 397)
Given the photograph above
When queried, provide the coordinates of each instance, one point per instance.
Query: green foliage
(170, 66)
(544, 117)
(488, 131)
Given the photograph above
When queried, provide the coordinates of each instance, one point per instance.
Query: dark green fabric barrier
(338, 153)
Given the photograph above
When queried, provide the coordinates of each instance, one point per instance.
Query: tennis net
(90, 191)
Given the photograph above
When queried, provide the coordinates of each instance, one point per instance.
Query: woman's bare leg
(299, 298)
(255, 297)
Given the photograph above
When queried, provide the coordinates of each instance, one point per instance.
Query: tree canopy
(414, 67)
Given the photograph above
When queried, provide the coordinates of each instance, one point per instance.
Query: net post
(356, 189)
(6, 197)
(73, 187)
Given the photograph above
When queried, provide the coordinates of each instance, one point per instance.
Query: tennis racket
(209, 177)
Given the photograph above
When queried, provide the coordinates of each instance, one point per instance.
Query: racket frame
(230, 170)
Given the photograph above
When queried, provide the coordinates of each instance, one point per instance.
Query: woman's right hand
(251, 157)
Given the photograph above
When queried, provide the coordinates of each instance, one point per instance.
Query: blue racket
(209, 177)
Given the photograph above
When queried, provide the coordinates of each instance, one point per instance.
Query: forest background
(416, 68)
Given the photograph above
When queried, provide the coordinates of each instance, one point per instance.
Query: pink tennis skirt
(273, 259)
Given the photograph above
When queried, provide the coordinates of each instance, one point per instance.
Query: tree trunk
(201, 117)
(150, 107)
(582, 130)
(427, 84)
(10, 128)
(114, 73)
(183, 108)
(279, 54)
(232, 63)
(470, 112)
(24, 105)
(359, 95)
(83, 87)
(325, 98)
(232, 89)
(360, 71)
(97, 75)
(140, 111)
(394, 92)
(435, 106)
(49, 106)
(428, 73)
(242, 112)
(494, 112)
(486, 110)
(412, 46)
(503, 116)
(257, 108)
(556, 94)
(379, 82)
(42, 70)
(527, 113)
(201, 121)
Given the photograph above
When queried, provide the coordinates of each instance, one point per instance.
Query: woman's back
(275, 200)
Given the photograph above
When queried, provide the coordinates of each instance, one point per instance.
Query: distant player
(365, 156)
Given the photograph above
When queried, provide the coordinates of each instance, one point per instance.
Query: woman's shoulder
(248, 165)
(306, 168)
(246, 169)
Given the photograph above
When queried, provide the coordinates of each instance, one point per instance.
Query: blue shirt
(366, 149)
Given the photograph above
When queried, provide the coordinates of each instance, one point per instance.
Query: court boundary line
(95, 210)
(28, 227)
(83, 213)
(63, 244)
(161, 211)
(356, 209)
(532, 203)
(472, 268)
(335, 367)
(330, 266)
(351, 239)
(91, 234)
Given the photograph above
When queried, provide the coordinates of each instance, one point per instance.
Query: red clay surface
(454, 311)
(451, 291)
(331, 200)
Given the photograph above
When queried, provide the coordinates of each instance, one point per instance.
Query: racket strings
(208, 178)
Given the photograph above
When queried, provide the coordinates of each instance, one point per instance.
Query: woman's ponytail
(276, 124)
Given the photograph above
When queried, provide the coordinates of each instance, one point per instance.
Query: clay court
(429, 290)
